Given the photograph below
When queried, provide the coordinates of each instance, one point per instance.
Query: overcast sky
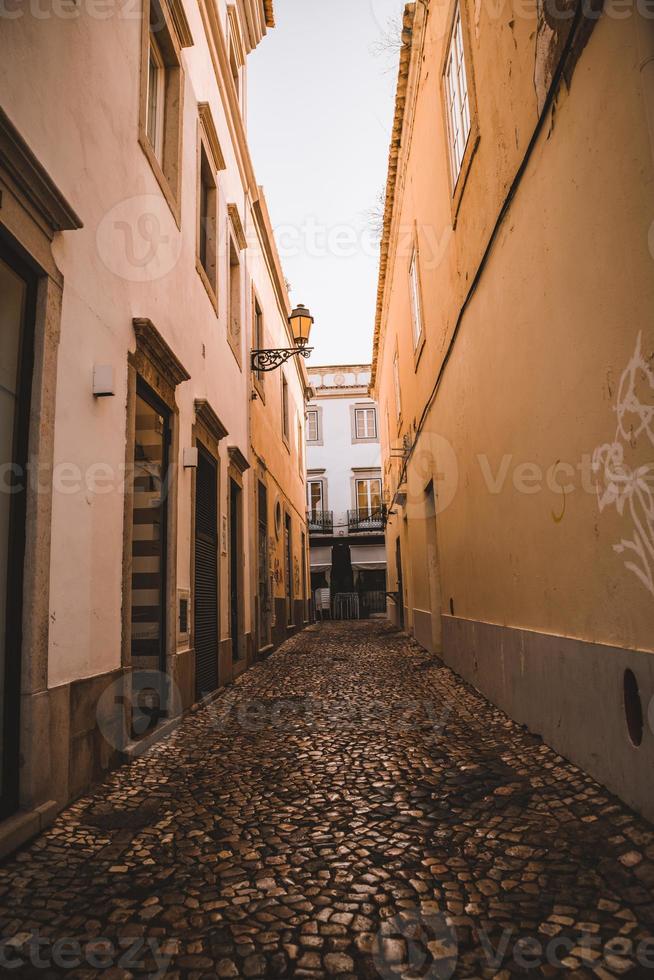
(321, 90)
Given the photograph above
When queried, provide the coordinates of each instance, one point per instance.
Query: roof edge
(393, 167)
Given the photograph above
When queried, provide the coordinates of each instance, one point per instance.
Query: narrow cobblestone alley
(321, 819)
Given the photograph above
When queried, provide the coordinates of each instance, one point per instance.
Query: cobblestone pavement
(348, 809)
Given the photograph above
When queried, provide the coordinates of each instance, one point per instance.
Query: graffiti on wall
(630, 487)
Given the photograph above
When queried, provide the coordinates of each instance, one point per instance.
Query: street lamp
(300, 322)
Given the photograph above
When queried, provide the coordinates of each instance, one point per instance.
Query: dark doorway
(288, 552)
(149, 530)
(262, 569)
(17, 311)
(206, 574)
(400, 584)
(342, 571)
(235, 564)
(303, 559)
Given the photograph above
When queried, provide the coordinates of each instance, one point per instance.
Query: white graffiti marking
(631, 490)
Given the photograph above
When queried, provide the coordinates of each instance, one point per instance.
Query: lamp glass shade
(301, 322)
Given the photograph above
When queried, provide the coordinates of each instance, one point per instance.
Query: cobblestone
(348, 809)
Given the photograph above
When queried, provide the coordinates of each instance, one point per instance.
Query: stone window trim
(258, 342)
(397, 389)
(237, 226)
(33, 211)
(300, 445)
(238, 465)
(358, 407)
(458, 181)
(30, 183)
(233, 261)
(166, 21)
(318, 476)
(285, 410)
(208, 145)
(364, 473)
(419, 340)
(155, 363)
(236, 50)
(318, 409)
(209, 425)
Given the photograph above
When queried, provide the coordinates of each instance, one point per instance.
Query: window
(156, 98)
(207, 219)
(369, 497)
(161, 96)
(313, 425)
(285, 410)
(236, 50)
(416, 302)
(300, 448)
(257, 338)
(234, 66)
(396, 382)
(456, 91)
(234, 300)
(365, 423)
(315, 497)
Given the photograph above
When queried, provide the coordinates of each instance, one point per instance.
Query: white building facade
(345, 489)
(137, 271)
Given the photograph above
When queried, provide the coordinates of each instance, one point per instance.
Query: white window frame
(366, 413)
(457, 97)
(310, 508)
(158, 118)
(286, 410)
(316, 414)
(416, 298)
(396, 384)
(367, 481)
(300, 445)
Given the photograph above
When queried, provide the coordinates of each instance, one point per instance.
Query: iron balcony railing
(366, 519)
(320, 521)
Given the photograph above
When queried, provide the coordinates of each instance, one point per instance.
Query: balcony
(366, 520)
(320, 521)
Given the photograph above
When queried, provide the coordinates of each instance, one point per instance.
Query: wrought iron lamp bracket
(270, 360)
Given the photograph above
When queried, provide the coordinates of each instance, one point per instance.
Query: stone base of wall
(183, 674)
(226, 662)
(279, 633)
(570, 692)
(422, 629)
(299, 609)
(75, 733)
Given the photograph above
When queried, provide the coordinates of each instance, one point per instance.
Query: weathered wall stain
(555, 21)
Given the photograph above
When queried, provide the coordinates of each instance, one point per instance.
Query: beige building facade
(136, 256)
(513, 366)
